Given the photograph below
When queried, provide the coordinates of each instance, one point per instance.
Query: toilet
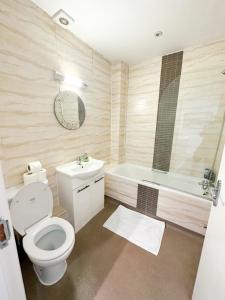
(47, 240)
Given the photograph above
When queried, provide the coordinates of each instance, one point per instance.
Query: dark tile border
(167, 106)
(147, 200)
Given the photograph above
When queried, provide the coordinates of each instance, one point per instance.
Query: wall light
(68, 79)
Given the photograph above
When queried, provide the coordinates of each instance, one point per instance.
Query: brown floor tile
(104, 266)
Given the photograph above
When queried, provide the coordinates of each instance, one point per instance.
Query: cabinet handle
(83, 188)
(99, 179)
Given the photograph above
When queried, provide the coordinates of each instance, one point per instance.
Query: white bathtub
(156, 178)
(180, 198)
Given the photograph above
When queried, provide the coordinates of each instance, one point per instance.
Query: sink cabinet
(88, 200)
(82, 206)
(83, 199)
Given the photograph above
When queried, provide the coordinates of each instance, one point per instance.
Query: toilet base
(52, 274)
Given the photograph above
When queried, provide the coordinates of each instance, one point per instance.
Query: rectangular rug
(137, 228)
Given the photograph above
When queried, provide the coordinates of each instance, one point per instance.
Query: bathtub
(180, 199)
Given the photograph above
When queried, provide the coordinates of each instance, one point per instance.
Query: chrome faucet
(78, 160)
(207, 182)
(209, 175)
(82, 158)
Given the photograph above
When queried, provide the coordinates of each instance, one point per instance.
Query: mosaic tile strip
(167, 105)
(147, 200)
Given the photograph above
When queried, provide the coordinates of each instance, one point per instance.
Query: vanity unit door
(97, 195)
(82, 206)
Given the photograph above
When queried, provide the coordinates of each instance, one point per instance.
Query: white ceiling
(124, 29)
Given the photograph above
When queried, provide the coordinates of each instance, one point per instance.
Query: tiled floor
(104, 266)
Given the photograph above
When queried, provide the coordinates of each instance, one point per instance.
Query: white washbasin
(83, 171)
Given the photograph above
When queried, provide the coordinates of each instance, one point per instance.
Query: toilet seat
(32, 203)
(33, 251)
(31, 212)
(47, 240)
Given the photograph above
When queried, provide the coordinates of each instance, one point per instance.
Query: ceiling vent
(62, 18)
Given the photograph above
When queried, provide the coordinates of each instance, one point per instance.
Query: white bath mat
(137, 228)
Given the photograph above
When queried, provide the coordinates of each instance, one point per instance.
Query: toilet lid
(31, 204)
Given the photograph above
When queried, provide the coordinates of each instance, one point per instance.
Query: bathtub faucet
(205, 183)
(209, 175)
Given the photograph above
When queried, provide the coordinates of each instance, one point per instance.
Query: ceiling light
(158, 34)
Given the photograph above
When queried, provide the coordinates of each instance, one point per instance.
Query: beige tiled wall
(119, 90)
(143, 94)
(200, 109)
(32, 46)
(220, 148)
(201, 104)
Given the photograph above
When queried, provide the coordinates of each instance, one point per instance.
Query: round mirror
(69, 110)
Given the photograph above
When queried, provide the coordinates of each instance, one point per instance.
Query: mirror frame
(58, 110)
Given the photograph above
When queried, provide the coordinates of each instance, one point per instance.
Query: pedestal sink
(82, 171)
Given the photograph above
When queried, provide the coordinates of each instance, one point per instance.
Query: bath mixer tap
(209, 174)
(205, 183)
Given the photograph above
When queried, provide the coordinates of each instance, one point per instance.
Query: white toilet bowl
(48, 241)
(48, 244)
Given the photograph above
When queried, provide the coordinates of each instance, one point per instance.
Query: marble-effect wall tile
(199, 116)
(32, 47)
(143, 94)
(119, 94)
(200, 109)
(121, 101)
